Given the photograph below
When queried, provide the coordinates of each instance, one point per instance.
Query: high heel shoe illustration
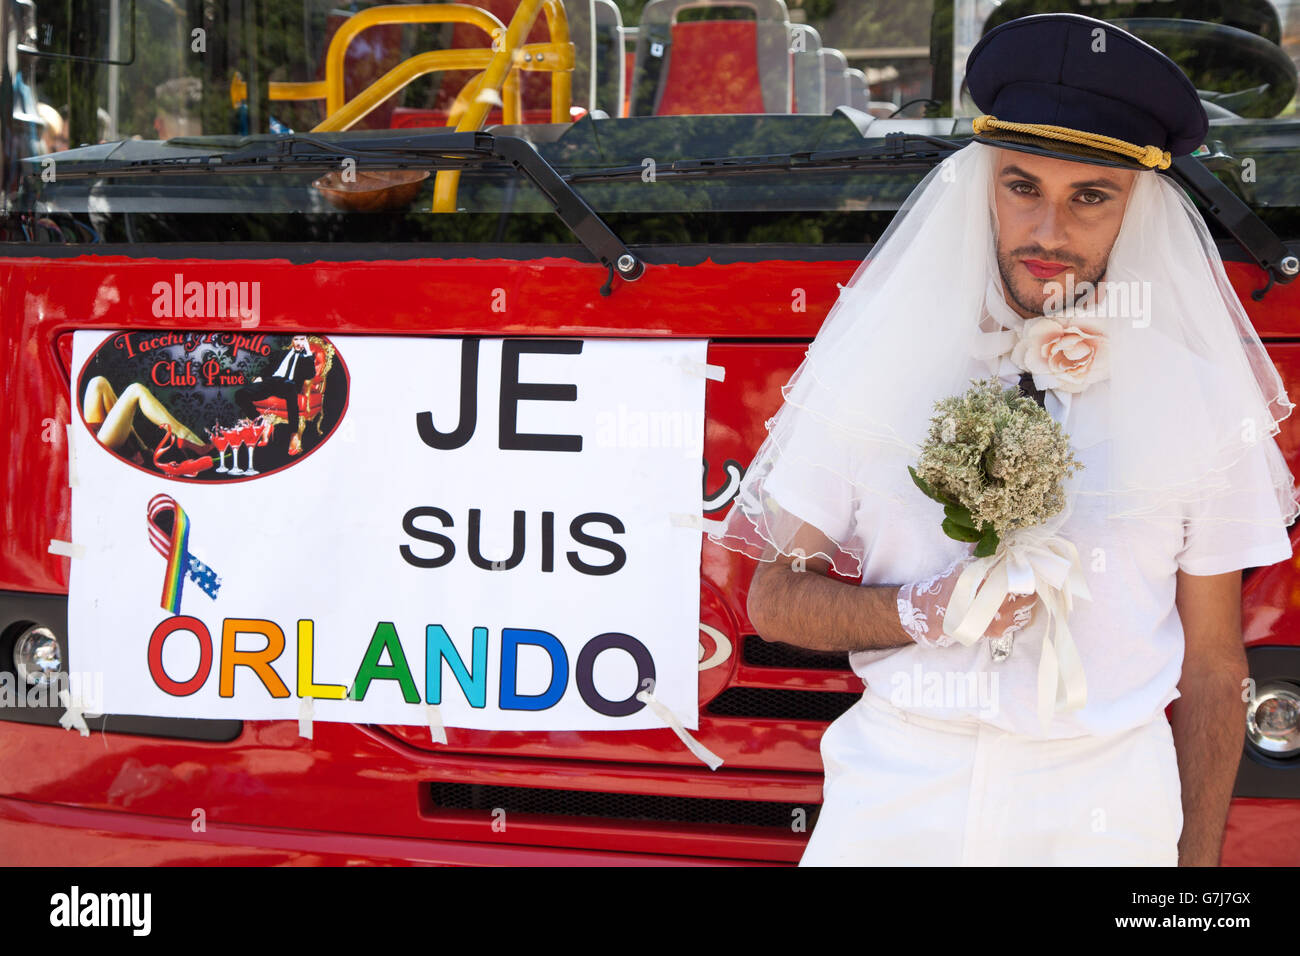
(188, 468)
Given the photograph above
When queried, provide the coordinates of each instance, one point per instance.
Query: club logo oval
(213, 406)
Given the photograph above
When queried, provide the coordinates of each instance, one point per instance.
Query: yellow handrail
(279, 90)
(435, 60)
(510, 53)
(499, 68)
(393, 13)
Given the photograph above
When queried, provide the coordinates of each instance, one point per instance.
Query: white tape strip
(436, 730)
(716, 373)
(697, 522)
(668, 717)
(72, 458)
(306, 714)
(66, 548)
(72, 715)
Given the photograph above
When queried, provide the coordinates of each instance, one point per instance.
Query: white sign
(485, 525)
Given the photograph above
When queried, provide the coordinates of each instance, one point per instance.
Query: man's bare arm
(808, 609)
(1209, 718)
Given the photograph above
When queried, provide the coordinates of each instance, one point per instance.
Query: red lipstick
(1043, 270)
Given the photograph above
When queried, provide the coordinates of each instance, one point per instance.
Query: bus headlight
(1273, 719)
(37, 657)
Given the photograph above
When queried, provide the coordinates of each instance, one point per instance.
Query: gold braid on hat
(1149, 156)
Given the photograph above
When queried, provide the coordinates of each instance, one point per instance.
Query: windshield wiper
(1240, 221)
(437, 151)
(481, 150)
(917, 151)
(267, 153)
(899, 151)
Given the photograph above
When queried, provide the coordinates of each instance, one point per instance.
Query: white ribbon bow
(1028, 561)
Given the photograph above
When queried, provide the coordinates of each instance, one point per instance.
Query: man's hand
(930, 600)
(1209, 718)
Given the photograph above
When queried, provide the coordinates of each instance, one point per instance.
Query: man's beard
(1083, 279)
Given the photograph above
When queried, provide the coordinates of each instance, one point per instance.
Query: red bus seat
(712, 66)
(713, 69)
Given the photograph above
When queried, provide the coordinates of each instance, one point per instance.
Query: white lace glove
(921, 608)
(914, 618)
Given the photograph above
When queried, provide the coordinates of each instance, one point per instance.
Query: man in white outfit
(943, 762)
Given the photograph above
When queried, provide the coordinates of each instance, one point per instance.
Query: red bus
(291, 185)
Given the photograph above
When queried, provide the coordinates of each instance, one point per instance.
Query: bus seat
(714, 69)
(809, 81)
(859, 91)
(609, 64)
(835, 68)
(711, 66)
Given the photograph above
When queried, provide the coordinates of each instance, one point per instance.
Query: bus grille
(621, 806)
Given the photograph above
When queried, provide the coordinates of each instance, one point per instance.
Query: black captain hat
(1081, 89)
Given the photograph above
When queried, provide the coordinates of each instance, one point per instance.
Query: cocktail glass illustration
(236, 436)
(222, 441)
(254, 433)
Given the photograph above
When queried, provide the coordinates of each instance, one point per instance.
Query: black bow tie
(1027, 388)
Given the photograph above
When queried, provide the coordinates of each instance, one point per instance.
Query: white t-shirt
(1129, 636)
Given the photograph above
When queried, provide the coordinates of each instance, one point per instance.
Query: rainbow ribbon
(173, 545)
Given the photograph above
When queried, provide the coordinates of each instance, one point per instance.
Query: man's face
(1055, 218)
(300, 343)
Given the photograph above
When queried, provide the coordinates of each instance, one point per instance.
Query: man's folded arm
(807, 608)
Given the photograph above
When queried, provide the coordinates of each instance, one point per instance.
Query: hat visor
(1056, 149)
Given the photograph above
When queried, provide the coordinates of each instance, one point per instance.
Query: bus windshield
(592, 84)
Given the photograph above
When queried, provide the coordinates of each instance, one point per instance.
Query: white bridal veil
(1190, 392)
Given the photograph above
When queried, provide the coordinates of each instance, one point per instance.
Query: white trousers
(907, 790)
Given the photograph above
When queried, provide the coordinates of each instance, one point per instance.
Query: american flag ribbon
(174, 547)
